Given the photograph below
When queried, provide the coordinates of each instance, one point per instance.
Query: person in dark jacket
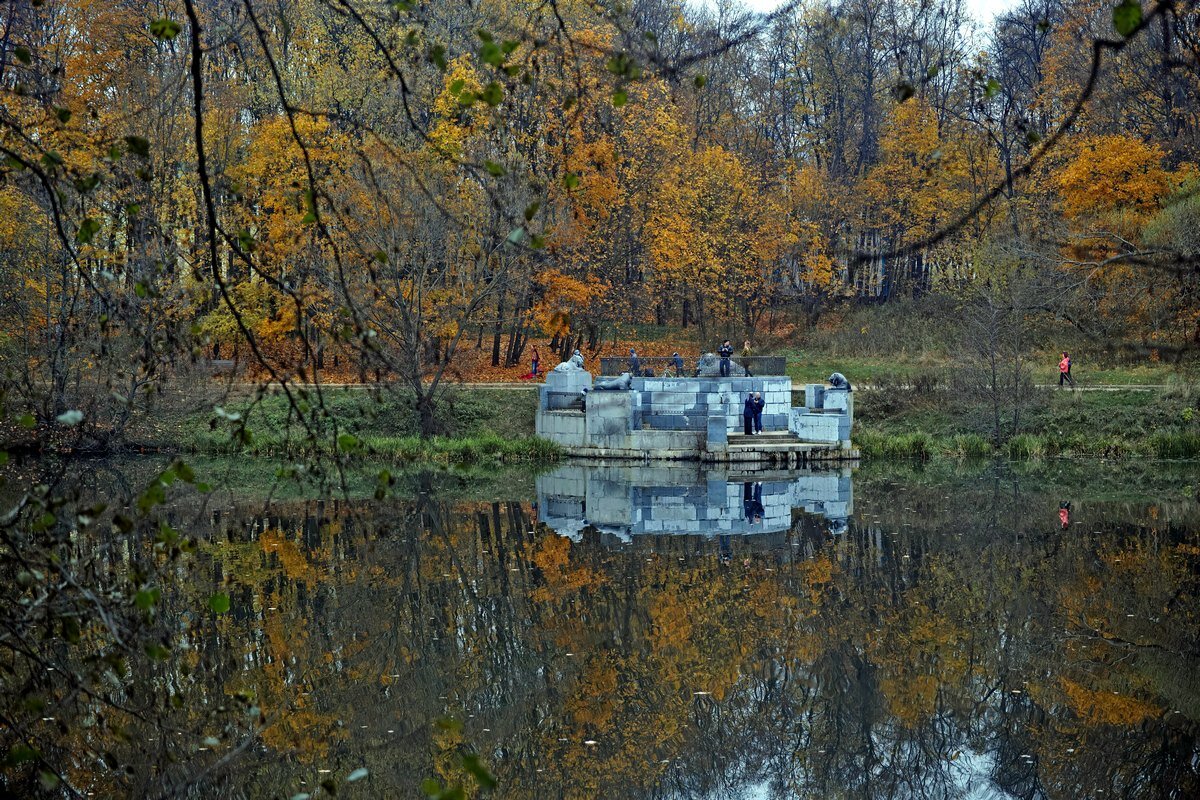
(759, 405)
(678, 362)
(748, 415)
(537, 359)
(725, 351)
(635, 363)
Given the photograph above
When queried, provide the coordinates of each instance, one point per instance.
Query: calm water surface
(614, 632)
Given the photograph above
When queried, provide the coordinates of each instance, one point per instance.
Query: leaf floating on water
(357, 775)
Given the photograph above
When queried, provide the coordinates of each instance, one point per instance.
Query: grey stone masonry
(682, 418)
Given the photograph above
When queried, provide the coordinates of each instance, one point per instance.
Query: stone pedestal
(562, 387)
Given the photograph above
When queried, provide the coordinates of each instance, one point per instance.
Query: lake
(928, 631)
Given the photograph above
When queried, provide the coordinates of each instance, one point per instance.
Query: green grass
(483, 426)
(1112, 424)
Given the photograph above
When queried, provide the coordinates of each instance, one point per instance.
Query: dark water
(898, 633)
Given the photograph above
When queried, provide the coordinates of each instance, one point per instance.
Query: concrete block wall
(675, 417)
(826, 418)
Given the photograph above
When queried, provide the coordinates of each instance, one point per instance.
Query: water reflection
(951, 642)
(626, 500)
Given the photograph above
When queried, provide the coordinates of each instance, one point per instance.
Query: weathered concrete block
(814, 395)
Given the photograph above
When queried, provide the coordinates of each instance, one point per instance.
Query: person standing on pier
(747, 352)
(725, 351)
(748, 415)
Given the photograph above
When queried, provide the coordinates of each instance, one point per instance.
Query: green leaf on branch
(490, 54)
(347, 442)
(494, 169)
(479, 772)
(63, 114)
(219, 603)
(147, 599)
(165, 29)
(492, 94)
(1127, 16)
(27, 421)
(991, 88)
(246, 240)
(437, 55)
(570, 180)
(87, 230)
(22, 54)
(138, 145)
(619, 97)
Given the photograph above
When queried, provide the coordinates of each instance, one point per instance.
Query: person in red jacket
(1064, 370)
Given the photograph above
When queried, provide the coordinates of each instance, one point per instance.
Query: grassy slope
(1114, 424)
(486, 425)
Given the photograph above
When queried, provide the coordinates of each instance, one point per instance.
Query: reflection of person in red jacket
(1064, 514)
(1064, 370)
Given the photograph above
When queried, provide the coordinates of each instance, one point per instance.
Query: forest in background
(333, 190)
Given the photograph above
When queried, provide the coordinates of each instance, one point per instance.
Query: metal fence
(660, 366)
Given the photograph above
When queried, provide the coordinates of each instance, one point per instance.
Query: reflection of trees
(947, 637)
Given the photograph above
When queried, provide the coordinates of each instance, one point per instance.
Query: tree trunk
(498, 331)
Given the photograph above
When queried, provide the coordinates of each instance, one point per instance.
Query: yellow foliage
(1107, 708)
(1110, 177)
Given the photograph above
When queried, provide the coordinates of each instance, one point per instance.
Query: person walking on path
(759, 405)
(725, 351)
(1064, 370)
(678, 362)
(748, 415)
(635, 363)
(537, 359)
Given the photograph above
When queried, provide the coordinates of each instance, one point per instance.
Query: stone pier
(693, 419)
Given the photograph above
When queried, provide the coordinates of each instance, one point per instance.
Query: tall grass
(1175, 444)
(885, 445)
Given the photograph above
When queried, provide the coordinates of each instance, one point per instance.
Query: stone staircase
(767, 441)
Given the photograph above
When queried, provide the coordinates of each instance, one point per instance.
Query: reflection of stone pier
(694, 418)
(626, 500)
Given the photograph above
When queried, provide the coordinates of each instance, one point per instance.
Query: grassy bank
(481, 427)
(1162, 424)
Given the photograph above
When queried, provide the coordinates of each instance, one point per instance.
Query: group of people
(752, 411)
(725, 351)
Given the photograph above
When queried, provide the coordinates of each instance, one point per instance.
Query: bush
(1027, 447)
(969, 445)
